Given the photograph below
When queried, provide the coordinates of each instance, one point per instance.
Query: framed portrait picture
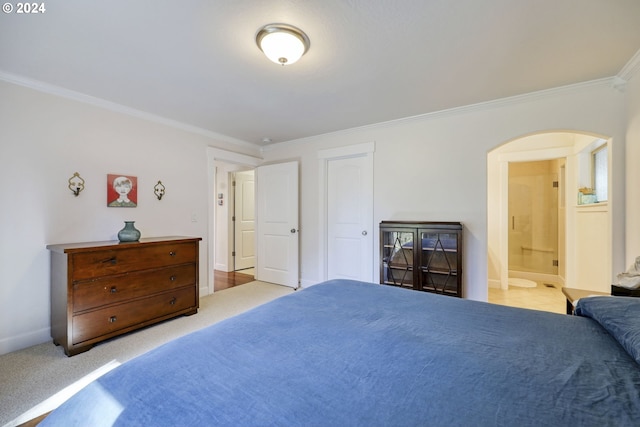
(122, 191)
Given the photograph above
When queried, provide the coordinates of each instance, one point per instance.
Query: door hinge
(555, 184)
(233, 253)
(555, 262)
(233, 218)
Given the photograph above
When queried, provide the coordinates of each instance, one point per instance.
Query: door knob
(293, 231)
(364, 232)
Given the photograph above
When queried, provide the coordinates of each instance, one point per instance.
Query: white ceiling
(370, 61)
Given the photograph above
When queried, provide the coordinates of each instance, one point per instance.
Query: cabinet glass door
(397, 258)
(439, 254)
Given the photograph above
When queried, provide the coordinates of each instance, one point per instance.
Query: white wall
(426, 168)
(633, 169)
(434, 167)
(44, 140)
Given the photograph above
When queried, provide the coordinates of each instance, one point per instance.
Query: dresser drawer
(94, 324)
(106, 290)
(88, 265)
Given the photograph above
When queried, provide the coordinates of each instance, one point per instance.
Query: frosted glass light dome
(281, 43)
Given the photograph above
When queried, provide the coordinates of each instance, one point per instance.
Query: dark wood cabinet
(103, 289)
(424, 256)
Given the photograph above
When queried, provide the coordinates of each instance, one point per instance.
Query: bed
(346, 353)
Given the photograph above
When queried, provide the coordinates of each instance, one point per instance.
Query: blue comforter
(347, 353)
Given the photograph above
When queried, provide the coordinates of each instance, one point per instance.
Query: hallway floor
(223, 280)
(542, 297)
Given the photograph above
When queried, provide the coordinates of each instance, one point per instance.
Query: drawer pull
(111, 260)
(173, 301)
(113, 319)
(172, 278)
(172, 253)
(114, 290)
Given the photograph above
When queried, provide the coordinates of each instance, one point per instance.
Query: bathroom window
(600, 162)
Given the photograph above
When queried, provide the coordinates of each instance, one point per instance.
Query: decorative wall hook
(159, 190)
(76, 184)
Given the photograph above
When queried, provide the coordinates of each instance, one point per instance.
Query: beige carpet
(35, 380)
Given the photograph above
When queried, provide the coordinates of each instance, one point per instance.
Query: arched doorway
(583, 232)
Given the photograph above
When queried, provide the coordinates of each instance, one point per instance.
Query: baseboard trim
(19, 342)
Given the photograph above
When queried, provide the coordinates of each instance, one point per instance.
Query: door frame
(324, 157)
(526, 155)
(215, 155)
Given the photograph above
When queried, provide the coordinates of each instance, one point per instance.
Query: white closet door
(349, 218)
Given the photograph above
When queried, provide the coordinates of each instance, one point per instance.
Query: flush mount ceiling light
(283, 44)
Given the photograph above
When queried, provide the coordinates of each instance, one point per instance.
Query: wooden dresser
(103, 289)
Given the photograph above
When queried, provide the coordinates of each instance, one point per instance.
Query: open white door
(277, 223)
(244, 220)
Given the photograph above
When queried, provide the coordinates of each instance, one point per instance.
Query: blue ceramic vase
(129, 233)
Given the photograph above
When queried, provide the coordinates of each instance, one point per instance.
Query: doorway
(220, 164)
(583, 233)
(234, 211)
(276, 212)
(533, 230)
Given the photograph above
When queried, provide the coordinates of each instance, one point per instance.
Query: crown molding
(609, 82)
(616, 82)
(40, 86)
(631, 68)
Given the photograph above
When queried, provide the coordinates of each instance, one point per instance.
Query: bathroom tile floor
(542, 297)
